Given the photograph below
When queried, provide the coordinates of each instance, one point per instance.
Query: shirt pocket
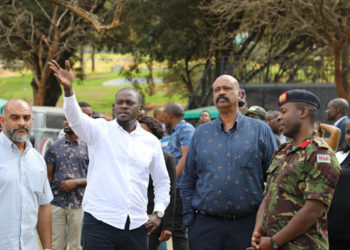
(37, 180)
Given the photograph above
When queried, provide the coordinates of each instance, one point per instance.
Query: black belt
(227, 217)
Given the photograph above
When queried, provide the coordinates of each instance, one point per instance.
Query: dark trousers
(208, 233)
(97, 235)
(339, 244)
(179, 232)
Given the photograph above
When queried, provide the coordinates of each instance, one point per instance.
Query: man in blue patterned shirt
(180, 139)
(223, 180)
(67, 163)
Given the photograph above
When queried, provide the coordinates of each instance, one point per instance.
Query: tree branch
(90, 17)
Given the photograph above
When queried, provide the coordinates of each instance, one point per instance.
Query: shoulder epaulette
(320, 142)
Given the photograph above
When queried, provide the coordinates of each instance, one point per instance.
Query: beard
(17, 138)
(68, 131)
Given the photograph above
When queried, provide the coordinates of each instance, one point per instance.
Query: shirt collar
(77, 141)
(137, 129)
(237, 124)
(10, 144)
(340, 120)
(177, 126)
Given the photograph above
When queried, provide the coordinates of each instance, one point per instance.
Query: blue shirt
(70, 161)
(225, 171)
(181, 135)
(23, 188)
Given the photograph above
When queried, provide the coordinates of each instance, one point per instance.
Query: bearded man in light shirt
(122, 155)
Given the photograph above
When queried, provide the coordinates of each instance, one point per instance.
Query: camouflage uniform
(295, 175)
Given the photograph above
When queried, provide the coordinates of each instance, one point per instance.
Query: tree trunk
(339, 74)
(48, 97)
(93, 58)
(151, 73)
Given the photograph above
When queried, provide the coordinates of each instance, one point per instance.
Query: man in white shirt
(122, 155)
(24, 189)
(337, 112)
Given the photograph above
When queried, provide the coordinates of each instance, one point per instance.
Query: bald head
(227, 78)
(13, 104)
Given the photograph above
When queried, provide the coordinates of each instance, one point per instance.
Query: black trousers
(97, 235)
(179, 233)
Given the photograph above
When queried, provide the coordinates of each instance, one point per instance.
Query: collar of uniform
(237, 124)
(10, 144)
(302, 145)
(177, 126)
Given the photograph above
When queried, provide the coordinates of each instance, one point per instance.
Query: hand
(265, 244)
(68, 185)
(256, 238)
(165, 235)
(152, 223)
(65, 77)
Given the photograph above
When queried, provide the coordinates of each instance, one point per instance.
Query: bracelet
(274, 243)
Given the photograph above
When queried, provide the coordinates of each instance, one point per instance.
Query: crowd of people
(249, 179)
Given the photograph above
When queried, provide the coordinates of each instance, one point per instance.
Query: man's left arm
(44, 225)
(184, 142)
(161, 183)
(270, 146)
(181, 163)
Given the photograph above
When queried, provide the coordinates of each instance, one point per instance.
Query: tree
(37, 31)
(289, 26)
(174, 31)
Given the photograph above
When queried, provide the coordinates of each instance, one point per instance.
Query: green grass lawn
(90, 90)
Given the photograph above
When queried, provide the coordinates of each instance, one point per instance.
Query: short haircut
(157, 111)
(154, 125)
(176, 109)
(84, 105)
(138, 95)
(311, 108)
(341, 104)
(272, 114)
(205, 111)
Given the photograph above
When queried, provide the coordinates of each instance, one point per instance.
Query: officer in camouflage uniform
(301, 181)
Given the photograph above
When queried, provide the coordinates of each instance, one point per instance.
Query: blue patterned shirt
(181, 135)
(225, 171)
(70, 161)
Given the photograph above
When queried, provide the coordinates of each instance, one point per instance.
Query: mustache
(222, 97)
(20, 127)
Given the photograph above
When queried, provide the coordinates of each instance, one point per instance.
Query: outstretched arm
(65, 77)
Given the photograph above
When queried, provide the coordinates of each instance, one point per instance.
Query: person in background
(24, 189)
(337, 112)
(223, 180)
(164, 232)
(332, 131)
(67, 163)
(272, 121)
(339, 212)
(181, 134)
(256, 112)
(204, 117)
(122, 155)
(243, 103)
(300, 183)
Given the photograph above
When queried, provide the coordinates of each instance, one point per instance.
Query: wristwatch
(159, 214)
(274, 243)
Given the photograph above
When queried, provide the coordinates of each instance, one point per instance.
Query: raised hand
(65, 77)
